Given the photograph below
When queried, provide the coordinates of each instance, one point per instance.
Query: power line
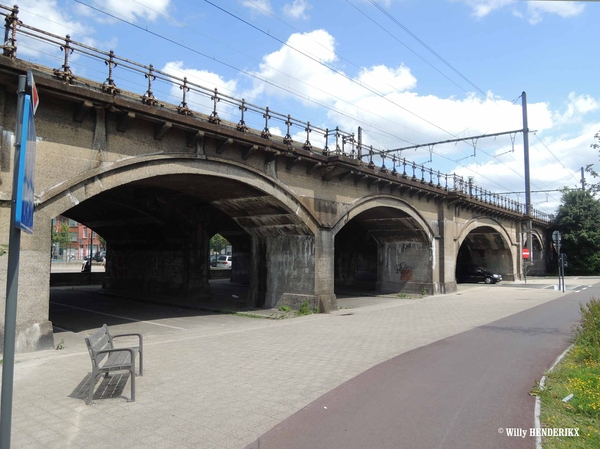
(431, 50)
(253, 75)
(283, 88)
(408, 48)
(353, 81)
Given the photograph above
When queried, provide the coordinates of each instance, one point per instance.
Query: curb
(538, 401)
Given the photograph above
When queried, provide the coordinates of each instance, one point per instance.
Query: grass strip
(577, 374)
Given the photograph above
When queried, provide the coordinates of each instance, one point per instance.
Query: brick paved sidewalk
(222, 381)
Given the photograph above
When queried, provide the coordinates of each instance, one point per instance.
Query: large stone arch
(367, 203)
(485, 241)
(539, 255)
(67, 194)
(477, 222)
(383, 244)
(270, 277)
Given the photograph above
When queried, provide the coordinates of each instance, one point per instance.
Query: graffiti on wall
(405, 271)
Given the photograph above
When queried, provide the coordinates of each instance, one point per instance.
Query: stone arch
(477, 222)
(383, 244)
(485, 242)
(281, 235)
(65, 195)
(367, 203)
(540, 254)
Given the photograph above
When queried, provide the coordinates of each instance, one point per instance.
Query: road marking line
(118, 316)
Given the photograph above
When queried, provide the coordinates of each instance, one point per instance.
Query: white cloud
(482, 8)
(47, 15)
(258, 6)
(386, 103)
(200, 100)
(297, 9)
(577, 107)
(563, 9)
(534, 11)
(312, 80)
(129, 10)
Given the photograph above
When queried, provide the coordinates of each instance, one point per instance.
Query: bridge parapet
(332, 152)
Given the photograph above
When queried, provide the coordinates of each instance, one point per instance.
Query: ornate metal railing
(335, 142)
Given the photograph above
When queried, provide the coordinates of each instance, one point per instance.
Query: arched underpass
(538, 257)
(157, 232)
(383, 250)
(486, 247)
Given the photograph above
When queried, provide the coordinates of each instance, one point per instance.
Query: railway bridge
(306, 217)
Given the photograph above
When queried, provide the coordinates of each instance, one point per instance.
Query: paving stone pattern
(222, 381)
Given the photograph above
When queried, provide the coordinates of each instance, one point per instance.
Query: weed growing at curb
(61, 345)
(304, 309)
(578, 374)
(285, 309)
(251, 315)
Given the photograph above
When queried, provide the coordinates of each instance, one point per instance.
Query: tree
(594, 188)
(61, 234)
(218, 243)
(577, 220)
(101, 241)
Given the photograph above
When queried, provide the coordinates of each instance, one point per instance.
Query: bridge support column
(175, 270)
(447, 250)
(293, 269)
(404, 267)
(34, 330)
(325, 271)
(242, 259)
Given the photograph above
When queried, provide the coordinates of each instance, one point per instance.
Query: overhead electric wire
(550, 151)
(431, 50)
(323, 46)
(353, 81)
(250, 74)
(283, 88)
(291, 91)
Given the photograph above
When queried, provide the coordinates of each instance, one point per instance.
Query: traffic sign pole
(10, 313)
(556, 238)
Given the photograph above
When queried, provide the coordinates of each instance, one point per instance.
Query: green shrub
(587, 332)
(285, 309)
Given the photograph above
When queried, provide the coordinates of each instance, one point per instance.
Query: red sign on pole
(526, 253)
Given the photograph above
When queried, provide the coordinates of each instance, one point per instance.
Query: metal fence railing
(334, 141)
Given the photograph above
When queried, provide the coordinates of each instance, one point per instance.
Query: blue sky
(353, 63)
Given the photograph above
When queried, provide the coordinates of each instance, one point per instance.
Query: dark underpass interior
(157, 231)
(382, 250)
(485, 247)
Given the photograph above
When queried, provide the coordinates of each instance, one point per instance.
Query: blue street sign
(25, 187)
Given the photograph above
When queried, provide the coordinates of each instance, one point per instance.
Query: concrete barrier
(66, 279)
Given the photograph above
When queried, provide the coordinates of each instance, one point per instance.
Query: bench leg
(91, 391)
(132, 371)
(141, 363)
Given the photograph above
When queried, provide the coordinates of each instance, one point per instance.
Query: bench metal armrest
(132, 351)
(139, 336)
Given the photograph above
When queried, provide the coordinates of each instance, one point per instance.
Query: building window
(85, 233)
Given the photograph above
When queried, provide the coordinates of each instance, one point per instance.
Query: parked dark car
(99, 256)
(475, 273)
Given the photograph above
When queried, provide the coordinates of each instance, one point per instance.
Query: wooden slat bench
(106, 358)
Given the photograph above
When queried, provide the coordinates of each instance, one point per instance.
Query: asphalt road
(457, 393)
